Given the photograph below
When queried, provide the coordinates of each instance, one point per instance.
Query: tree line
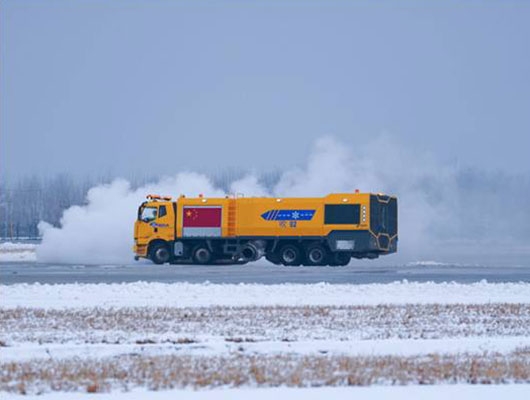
(28, 200)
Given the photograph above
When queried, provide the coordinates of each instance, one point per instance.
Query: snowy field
(202, 341)
(153, 294)
(439, 392)
(172, 338)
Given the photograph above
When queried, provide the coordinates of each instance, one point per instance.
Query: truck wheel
(316, 255)
(202, 255)
(290, 255)
(340, 258)
(159, 254)
(273, 258)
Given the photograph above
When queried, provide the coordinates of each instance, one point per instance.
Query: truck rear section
(288, 231)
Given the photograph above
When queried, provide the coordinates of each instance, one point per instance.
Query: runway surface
(259, 272)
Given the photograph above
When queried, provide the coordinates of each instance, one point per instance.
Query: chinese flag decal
(202, 217)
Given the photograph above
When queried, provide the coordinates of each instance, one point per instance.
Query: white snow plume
(249, 186)
(444, 212)
(330, 168)
(385, 166)
(102, 230)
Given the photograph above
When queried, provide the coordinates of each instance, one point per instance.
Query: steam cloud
(444, 212)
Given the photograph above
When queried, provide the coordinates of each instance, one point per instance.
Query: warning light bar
(157, 197)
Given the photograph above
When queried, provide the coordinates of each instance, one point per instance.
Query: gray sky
(92, 87)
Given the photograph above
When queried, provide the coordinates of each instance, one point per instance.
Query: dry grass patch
(119, 325)
(165, 372)
(240, 340)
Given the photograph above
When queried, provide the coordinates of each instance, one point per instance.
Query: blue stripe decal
(288, 215)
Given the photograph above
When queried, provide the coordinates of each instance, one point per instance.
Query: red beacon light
(357, 191)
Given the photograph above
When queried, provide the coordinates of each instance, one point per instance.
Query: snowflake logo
(295, 215)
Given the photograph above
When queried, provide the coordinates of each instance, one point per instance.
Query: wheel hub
(202, 255)
(315, 256)
(289, 256)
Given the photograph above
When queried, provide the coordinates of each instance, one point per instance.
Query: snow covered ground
(154, 336)
(153, 294)
(439, 392)
(14, 252)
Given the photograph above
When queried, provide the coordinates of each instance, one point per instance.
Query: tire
(316, 255)
(273, 258)
(290, 255)
(160, 254)
(202, 255)
(340, 258)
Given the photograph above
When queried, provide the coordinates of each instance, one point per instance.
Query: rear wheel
(316, 255)
(290, 255)
(160, 254)
(340, 258)
(202, 255)
(273, 258)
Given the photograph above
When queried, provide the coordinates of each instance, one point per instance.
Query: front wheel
(202, 255)
(160, 254)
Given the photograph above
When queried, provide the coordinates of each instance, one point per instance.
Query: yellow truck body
(326, 230)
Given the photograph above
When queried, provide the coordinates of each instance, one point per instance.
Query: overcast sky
(91, 87)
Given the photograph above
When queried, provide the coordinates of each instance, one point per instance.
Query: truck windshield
(148, 214)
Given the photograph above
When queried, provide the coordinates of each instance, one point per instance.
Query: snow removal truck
(290, 231)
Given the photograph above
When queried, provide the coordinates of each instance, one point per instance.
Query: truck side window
(342, 214)
(162, 212)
